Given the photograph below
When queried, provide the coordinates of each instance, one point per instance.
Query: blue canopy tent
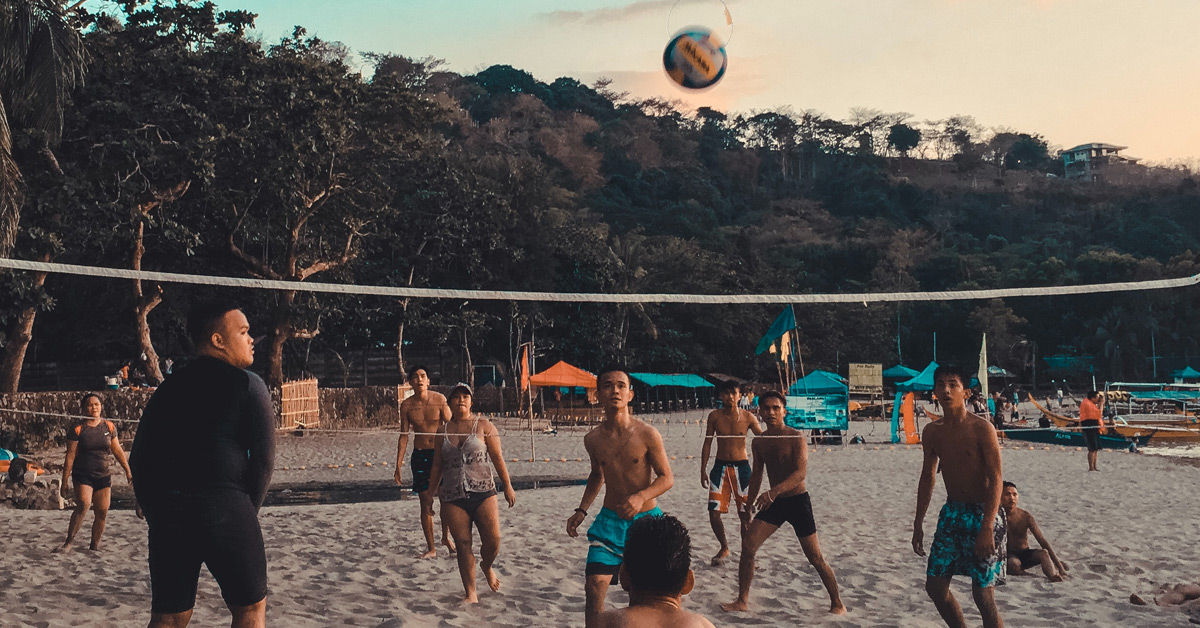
(900, 372)
(1186, 373)
(660, 380)
(818, 401)
(818, 383)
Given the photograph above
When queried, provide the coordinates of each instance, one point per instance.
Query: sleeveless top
(466, 468)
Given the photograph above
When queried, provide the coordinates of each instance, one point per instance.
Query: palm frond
(42, 59)
(10, 188)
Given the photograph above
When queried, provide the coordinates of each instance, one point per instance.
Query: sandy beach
(357, 565)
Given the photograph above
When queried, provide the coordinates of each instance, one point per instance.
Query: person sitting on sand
(783, 452)
(657, 574)
(629, 456)
(730, 476)
(88, 445)
(971, 526)
(1020, 524)
(1185, 597)
(467, 488)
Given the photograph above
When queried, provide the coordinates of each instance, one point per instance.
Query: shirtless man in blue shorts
(971, 527)
(628, 455)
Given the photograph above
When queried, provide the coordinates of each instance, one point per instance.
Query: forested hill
(220, 154)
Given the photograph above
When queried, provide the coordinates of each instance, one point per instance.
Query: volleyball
(695, 58)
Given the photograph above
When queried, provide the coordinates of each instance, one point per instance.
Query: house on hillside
(1089, 162)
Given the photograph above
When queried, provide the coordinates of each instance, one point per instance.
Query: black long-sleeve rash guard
(209, 428)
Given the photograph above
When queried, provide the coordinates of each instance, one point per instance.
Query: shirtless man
(784, 453)
(970, 527)
(730, 476)
(1020, 524)
(628, 455)
(424, 413)
(657, 574)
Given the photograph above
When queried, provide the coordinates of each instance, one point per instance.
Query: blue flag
(783, 324)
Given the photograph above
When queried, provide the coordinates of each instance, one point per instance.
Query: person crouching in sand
(971, 526)
(784, 453)
(628, 455)
(467, 488)
(1020, 523)
(657, 574)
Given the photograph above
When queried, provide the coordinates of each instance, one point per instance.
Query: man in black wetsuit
(202, 460)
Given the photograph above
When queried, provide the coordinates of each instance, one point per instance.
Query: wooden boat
(1166, 433)
(1068, 438)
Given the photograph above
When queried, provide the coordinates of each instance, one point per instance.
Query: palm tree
(41, 60)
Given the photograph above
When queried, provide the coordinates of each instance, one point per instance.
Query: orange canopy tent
(563, 374)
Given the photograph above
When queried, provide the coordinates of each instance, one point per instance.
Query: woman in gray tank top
(463, 456)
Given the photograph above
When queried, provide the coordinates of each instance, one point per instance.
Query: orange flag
(524, 368)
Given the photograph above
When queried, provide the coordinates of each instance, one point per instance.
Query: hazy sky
(1119, 71)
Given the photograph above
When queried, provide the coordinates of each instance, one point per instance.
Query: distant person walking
(202, 460)
(1091, 418)
(86, 466)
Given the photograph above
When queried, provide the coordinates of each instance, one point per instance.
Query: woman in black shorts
(88, 444)
(463, 456)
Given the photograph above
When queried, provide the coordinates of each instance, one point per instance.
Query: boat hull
(1052, 436)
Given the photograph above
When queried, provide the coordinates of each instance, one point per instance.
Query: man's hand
(985, 544)
(631, 507)
(764, 501)
(918, 540)
(129, 478)
(397, 477)
(703, 478)
(573, 524)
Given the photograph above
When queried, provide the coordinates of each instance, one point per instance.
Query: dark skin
(1020, 524)
(424, 413)
(728, 426)
(968, 451)
(628, 456)
(783, 453)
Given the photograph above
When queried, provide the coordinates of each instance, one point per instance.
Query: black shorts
(794, 509)
(1091, 434)
(1024, 557)
(97, 482)
(421, 463)
(217, 530)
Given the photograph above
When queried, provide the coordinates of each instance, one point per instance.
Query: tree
(41, 60)
(903, 138)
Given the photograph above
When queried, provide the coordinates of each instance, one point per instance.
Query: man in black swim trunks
(202, 462)
(424, 414)
(1020, 524)
(784, 453)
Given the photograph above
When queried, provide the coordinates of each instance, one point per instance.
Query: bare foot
(430, 554)
(720, 557)
(492, 580)
(450, 547)
(63, 549)
(838, 609)
(735, 606)
(471, 599)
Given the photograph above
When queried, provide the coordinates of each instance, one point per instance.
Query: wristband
(581, 511)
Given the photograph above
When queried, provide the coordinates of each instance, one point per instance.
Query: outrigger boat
(1156, 433)
(1068, 438)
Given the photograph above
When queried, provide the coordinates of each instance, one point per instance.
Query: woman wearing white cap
(467, 488)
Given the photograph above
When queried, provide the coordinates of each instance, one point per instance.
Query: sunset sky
(1124, 72)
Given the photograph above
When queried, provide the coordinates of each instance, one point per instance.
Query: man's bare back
(652, 617)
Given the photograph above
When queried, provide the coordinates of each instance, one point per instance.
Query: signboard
(866, 379)
(826, 412)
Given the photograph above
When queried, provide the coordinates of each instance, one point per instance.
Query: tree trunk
(281, 332)
(470, 374)
(19, 337)
(400, 365)
(144, 303)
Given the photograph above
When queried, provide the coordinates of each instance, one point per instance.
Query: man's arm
(259, 420)
(402, 442)
(925, 487)
(656, 455)
(595, 482)
(1037, 534)
(989, 445)
(755, 426)
(709, 431)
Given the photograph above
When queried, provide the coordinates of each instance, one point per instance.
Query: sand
(1124, 530)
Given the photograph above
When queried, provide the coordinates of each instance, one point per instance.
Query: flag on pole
(524, 368)
(983, 369)
(783, 324)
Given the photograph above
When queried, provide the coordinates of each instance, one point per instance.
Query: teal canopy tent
(1186, 373)
(684, 381)
(900, 372)
(818, 383)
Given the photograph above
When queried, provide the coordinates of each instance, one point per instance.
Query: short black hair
(658, 555)
(953, 370)
(772, 394)
(203, 319)
(84, 399)
(728, 386)
(1007, 484)
(414, 369)
(613, 368)
(1092, 394)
